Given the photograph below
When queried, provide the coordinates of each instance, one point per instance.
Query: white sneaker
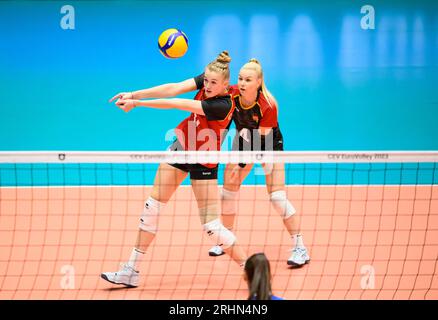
(216, 251)
(299, 257)
(126, 276)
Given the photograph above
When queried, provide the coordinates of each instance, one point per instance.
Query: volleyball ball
(173, 43)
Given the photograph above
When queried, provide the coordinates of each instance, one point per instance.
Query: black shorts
(271, 142)
(197, 171)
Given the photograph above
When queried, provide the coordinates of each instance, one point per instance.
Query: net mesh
(369, 221)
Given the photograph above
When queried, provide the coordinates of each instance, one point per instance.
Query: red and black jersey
(203, 132)
(260, 114)
(248, 119)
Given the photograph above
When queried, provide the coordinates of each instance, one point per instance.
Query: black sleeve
(216, 108)
(199, 80)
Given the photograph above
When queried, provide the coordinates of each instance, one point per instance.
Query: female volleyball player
(255, 115)
(212, 109)
(258, 276)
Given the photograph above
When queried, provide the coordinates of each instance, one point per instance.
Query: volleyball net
(368, 219)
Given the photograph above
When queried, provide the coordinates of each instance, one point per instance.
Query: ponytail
(258, 272)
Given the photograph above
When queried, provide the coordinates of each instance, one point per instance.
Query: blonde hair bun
(223, 57)
(221, 64)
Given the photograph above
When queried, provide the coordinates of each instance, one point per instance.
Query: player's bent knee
(229, 201)
(281, 204)
(220, 235)
(149, 216)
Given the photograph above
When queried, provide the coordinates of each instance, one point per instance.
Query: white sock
(136, 255)
(298, 240)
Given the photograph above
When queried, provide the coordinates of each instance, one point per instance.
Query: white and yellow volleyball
(173, 43)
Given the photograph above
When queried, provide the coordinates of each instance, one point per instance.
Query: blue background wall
(339, 87)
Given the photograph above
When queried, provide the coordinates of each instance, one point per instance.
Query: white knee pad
(229, 201)
(149, 217)
(220, 235)
(282, 205)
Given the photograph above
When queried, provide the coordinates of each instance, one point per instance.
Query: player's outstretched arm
(194, 106)
(162, 91)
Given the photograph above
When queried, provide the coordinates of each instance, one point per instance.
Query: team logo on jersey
(255, 118)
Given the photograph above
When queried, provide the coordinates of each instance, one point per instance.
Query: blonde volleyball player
(212, 109)
(256, 114)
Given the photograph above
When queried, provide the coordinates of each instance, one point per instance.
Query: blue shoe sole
(104, 277)
(296, 265)
(212, 254)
